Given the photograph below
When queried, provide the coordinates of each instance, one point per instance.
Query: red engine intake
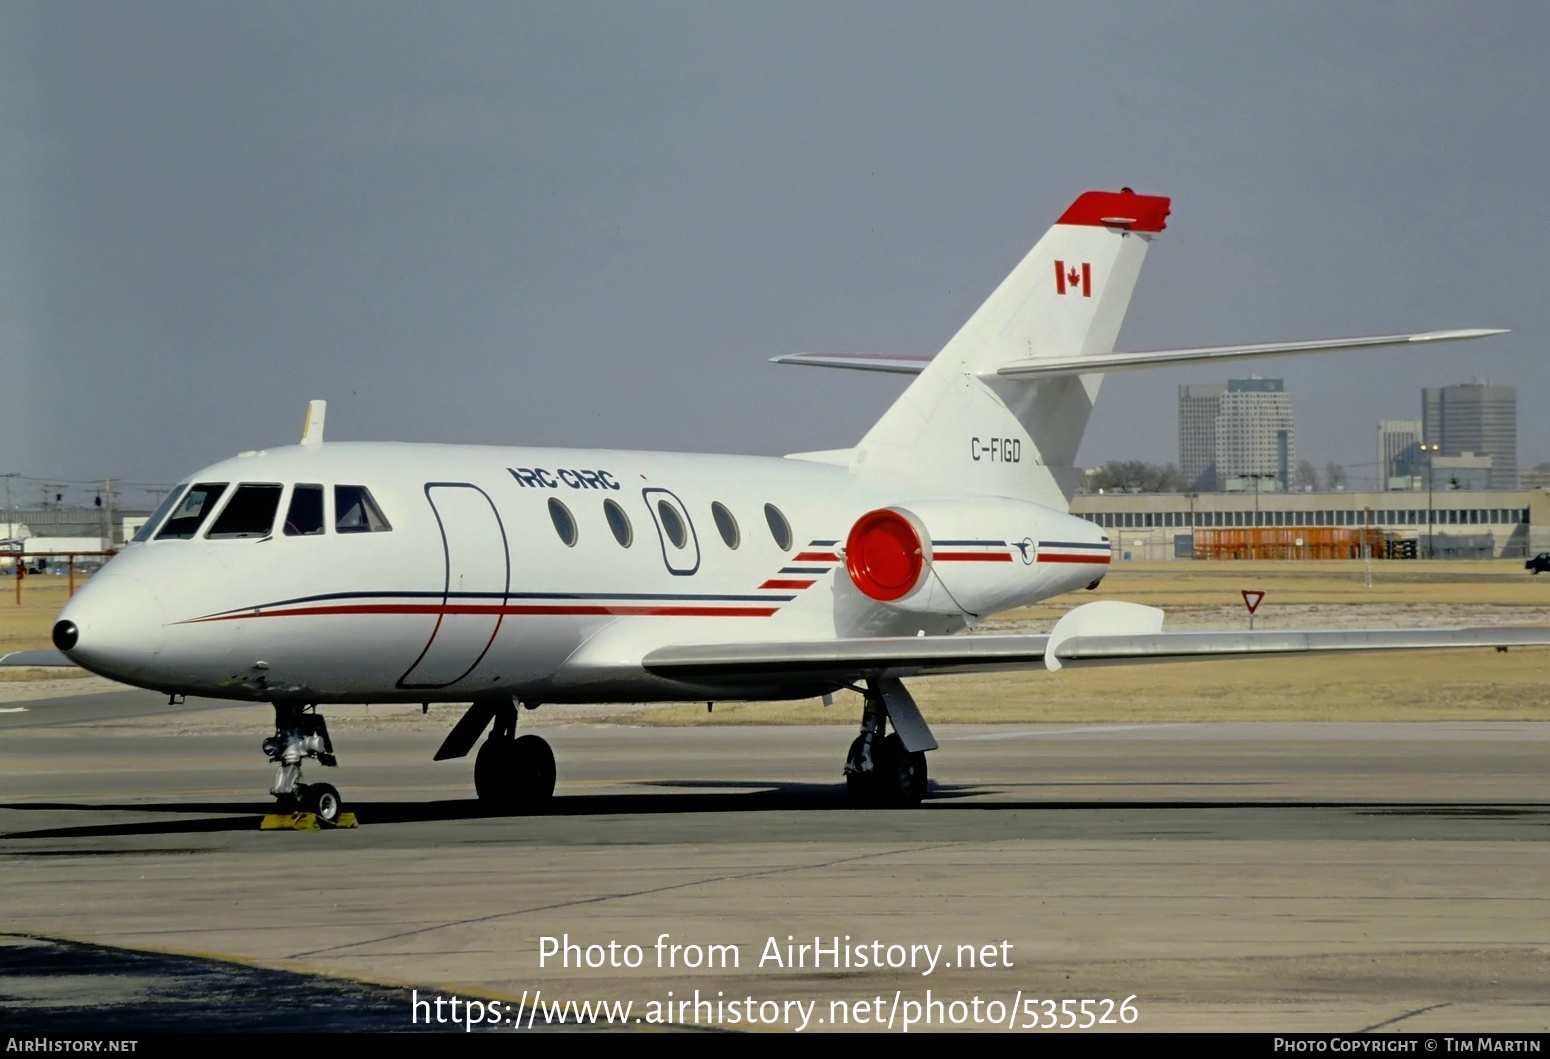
(885, 555)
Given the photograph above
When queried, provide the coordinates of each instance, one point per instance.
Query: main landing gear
(512, 774)
(299, 733)
(886, 770)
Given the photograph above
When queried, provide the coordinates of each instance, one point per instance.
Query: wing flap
(846, 660)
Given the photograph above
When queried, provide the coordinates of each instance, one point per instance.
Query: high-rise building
(1198, 406)
(1475, 419)
(1255, 439)
(1399, 454)
(1237, 436)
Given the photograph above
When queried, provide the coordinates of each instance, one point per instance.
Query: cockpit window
(143, 534)
(304, 518)
(191, 513)
(249, 513)
(356, 512)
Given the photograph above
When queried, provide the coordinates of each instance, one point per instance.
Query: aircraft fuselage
(545, 574)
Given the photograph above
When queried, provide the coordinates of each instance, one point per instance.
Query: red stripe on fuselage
(972, 557)
(481, 608)
(1074, 559)
(816, 557)
(776, 582)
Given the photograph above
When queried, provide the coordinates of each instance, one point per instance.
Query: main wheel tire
(536, 771)
(493, 770)
(323, 800)
(902, 773)
(860, 787)
(514, 775)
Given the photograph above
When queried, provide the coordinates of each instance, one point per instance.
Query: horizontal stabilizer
(1103, 363)
(904, 656)
(1081, 364)
(897, 364)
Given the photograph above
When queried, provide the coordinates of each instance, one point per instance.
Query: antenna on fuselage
(312, 429)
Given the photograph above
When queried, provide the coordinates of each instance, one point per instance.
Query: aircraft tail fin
(959, 428)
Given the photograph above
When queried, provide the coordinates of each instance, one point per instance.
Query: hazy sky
(590, 224)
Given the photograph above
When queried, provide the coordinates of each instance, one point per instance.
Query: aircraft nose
(113, 626)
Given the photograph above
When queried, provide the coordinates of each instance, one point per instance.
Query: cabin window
(356, 512)
(144, 532)
(249, 513)
(672, 525)
(619, 522)
(726, 525)
(564, 522)
(780, 529)
(192, 512)
(304, 518)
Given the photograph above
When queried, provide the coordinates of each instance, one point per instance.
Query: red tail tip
(1119, 209)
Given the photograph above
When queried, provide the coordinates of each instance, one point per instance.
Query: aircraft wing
(36, 658)
(849, 660)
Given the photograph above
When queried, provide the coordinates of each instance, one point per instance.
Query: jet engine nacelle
(971, 556)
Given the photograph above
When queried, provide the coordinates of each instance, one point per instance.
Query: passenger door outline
(461, 549)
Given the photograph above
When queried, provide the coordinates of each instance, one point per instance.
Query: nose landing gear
(301, 733)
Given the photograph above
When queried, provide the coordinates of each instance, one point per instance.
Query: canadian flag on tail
(1073, 278)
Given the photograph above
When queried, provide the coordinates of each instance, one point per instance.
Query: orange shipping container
(1288, 542)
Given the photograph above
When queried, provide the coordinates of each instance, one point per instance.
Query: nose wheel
(301, 733)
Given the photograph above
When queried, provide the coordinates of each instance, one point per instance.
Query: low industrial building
(1445, 524)
(49, 536)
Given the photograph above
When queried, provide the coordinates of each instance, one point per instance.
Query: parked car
(1539, 564)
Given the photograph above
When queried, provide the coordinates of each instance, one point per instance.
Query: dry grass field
(1415, 686)
(26, 627)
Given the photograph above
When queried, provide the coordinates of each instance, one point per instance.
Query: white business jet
(506, 577)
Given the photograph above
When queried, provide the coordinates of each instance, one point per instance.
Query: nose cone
(66, 635)
(113, 626)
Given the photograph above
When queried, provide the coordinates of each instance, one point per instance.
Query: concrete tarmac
(1253, 877)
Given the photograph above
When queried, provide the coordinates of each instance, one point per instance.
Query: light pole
(10, 531)
(1257, 477)
(10, 516)
(1430, 450)
(1192, 496)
